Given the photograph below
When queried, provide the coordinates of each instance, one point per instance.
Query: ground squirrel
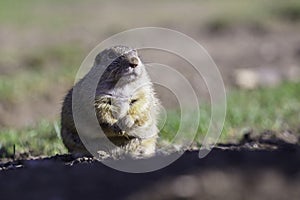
(125, 104)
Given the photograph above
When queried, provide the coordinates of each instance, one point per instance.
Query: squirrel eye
(133, 101)
(106, 101)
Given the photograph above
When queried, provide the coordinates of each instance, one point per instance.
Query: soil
(258, 167)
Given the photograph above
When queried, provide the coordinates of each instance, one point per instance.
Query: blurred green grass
(56, 14)
(42, 13)
(276, 109)
(42, 139)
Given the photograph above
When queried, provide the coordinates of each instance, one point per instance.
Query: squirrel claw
(123, 133)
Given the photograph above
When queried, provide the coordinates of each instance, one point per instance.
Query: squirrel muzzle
(133, 62)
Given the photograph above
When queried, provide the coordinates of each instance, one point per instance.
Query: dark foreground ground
(264, 167)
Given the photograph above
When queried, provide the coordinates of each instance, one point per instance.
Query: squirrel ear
(103, 57)
(98, 58)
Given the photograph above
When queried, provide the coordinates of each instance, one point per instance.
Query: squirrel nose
(133, 62)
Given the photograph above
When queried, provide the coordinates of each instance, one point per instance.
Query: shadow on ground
(263, 167)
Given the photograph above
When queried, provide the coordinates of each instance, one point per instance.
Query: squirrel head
(122, 64)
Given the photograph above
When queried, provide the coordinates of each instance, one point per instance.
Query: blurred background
(255, 44)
